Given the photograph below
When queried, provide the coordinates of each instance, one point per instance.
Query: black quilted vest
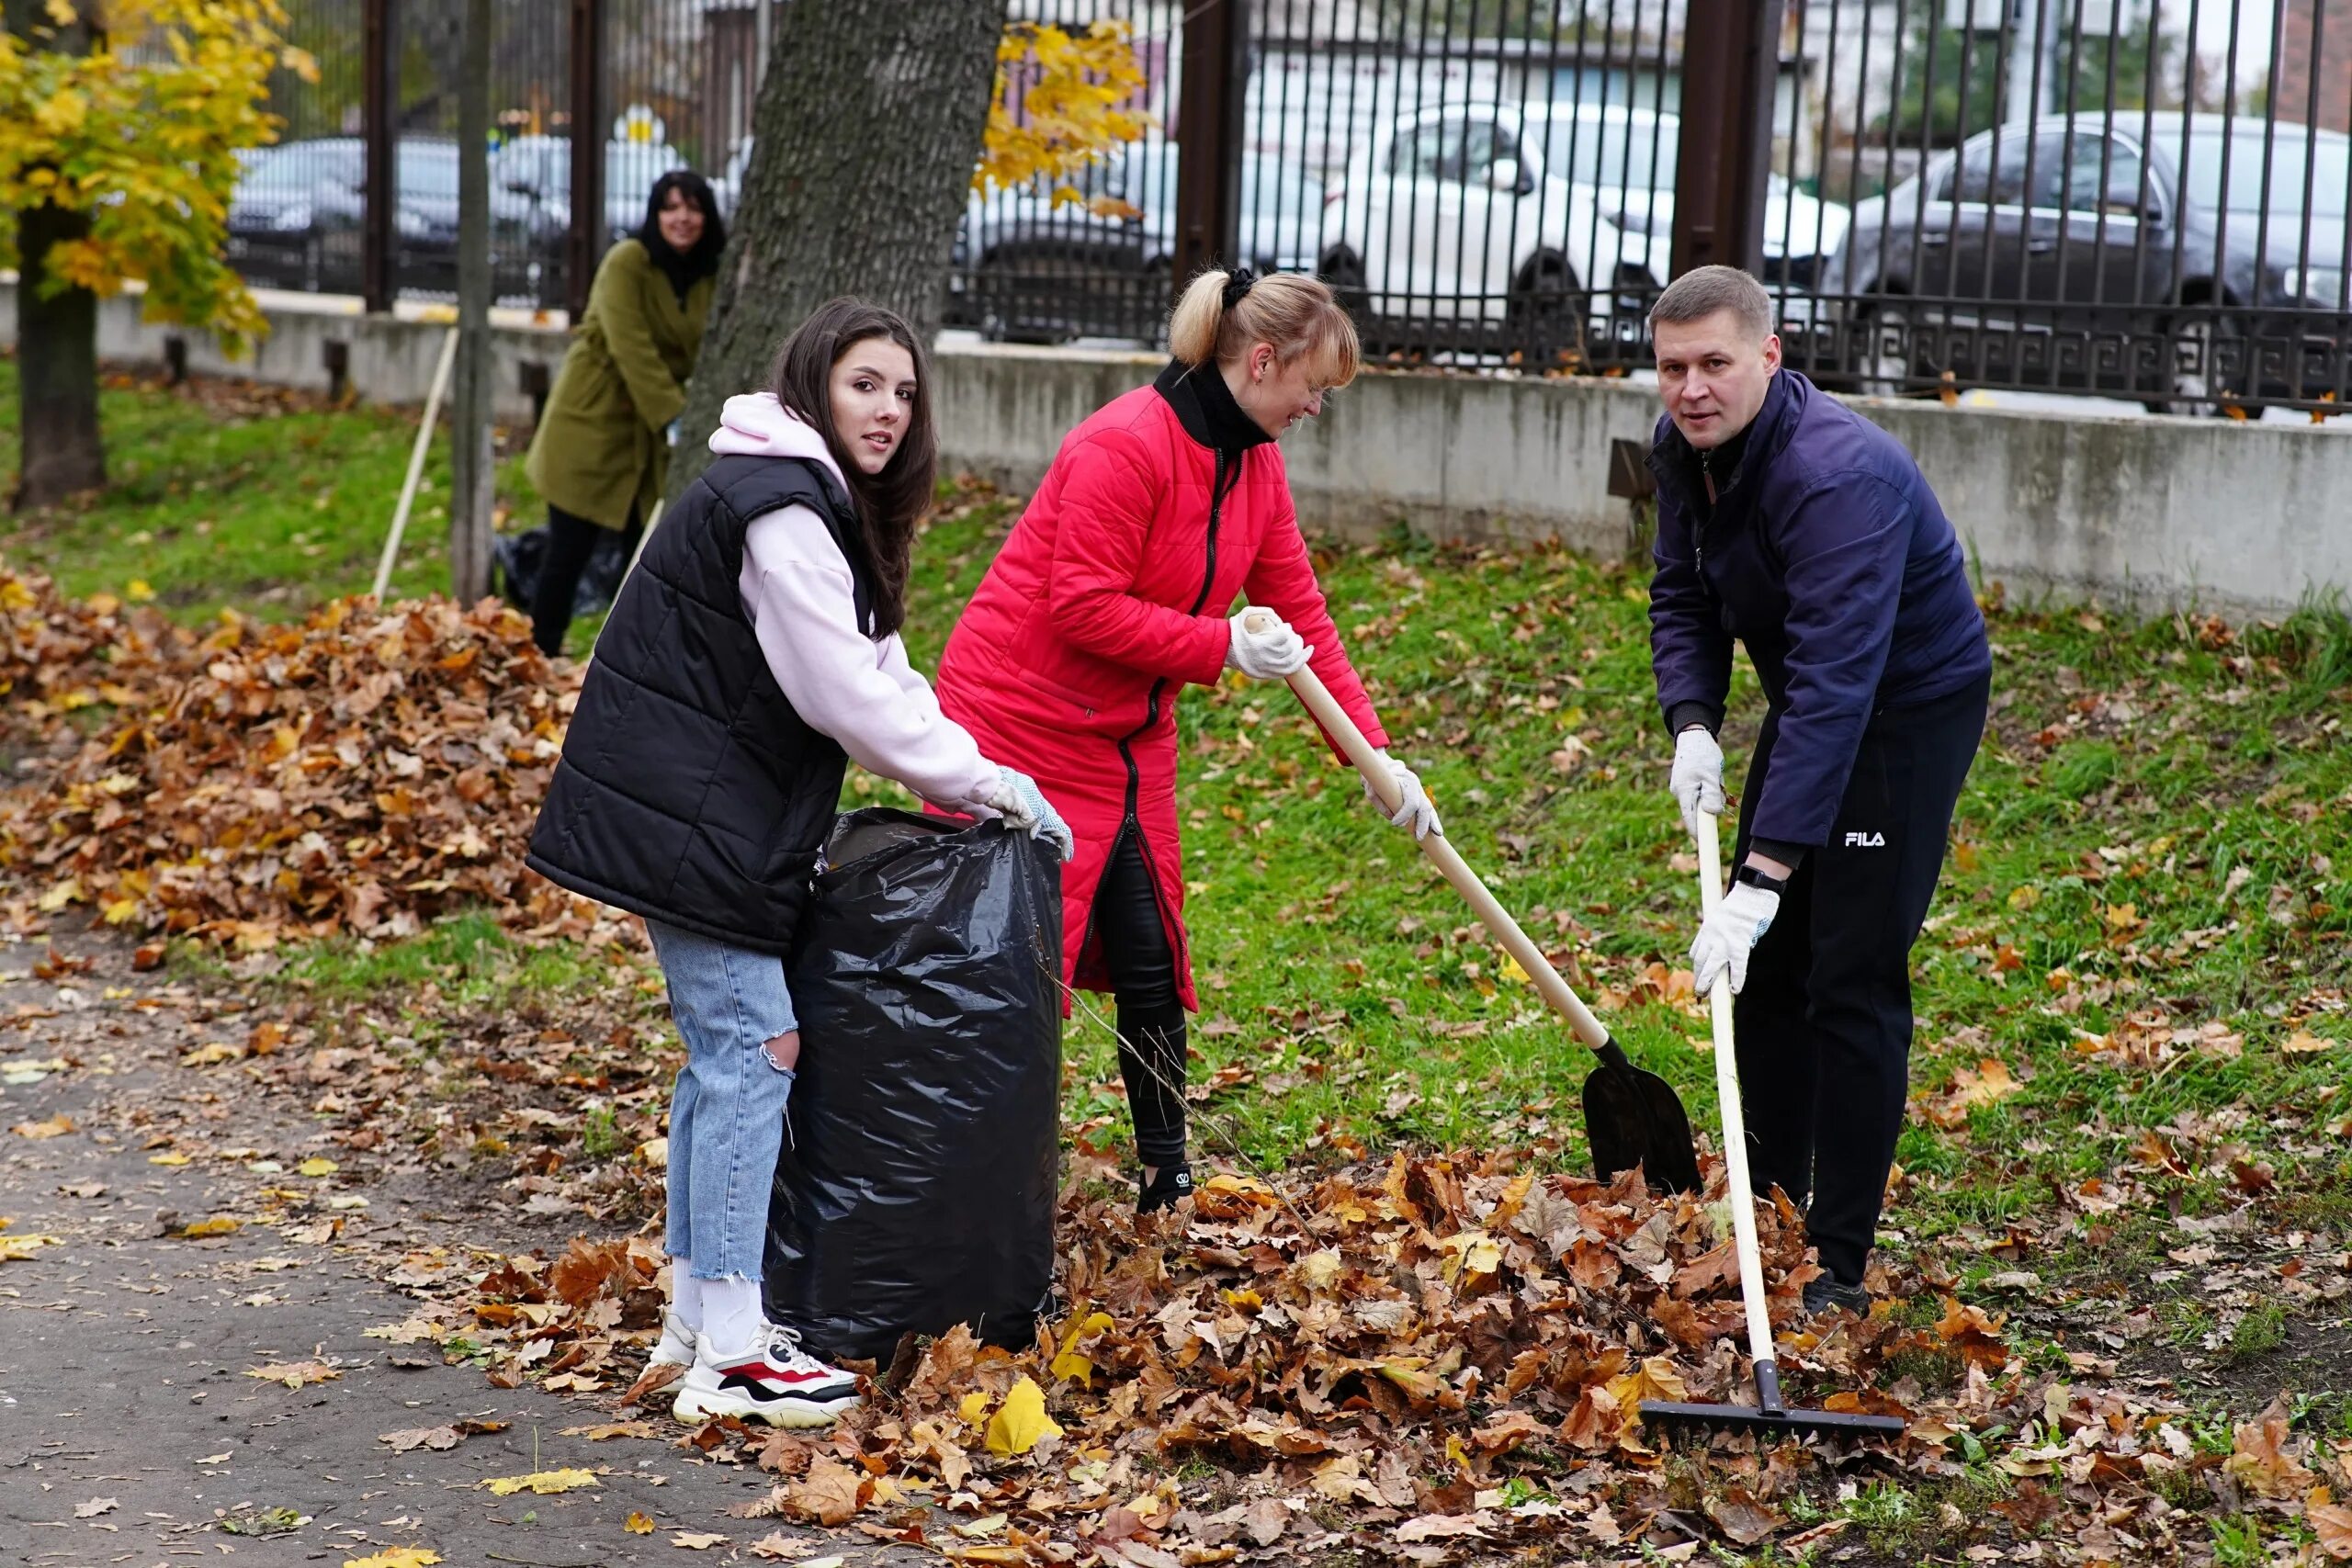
(689, 791)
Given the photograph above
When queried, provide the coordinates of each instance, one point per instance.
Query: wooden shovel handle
(1736, 1189)
(1335, 723)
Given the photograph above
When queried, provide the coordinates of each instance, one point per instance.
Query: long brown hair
(890, 504)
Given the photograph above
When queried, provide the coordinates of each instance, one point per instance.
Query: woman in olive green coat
(603, 447)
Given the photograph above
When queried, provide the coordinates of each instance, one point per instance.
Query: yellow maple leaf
(974, 1408)
(219, 1224)
(317, 1167)
(1654, 1379)
(212, 1055)
(1071, 1366)
(1021, 1423)
(396, 1557)
(637, 1524)
(542, 1482)
(137, 590)
(169, 1156)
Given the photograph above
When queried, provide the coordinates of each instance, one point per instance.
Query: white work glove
(671, 434)
(1731, 933)
(1414, 808)
(1022, 804)
(1269, 654)
(1697, 782)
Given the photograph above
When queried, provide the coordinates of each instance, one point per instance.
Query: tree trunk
(869, 124)
(57, 370)
(57, 336)
(469, 417)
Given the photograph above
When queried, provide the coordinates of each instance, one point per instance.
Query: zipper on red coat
(1132, 822)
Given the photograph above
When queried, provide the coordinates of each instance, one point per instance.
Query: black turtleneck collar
(1205, 407)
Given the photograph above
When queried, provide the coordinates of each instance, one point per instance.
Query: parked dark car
(294, 221)
(1029, 270)
(2203, 263)
(290, 201)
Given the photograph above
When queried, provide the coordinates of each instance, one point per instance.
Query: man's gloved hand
(1731, 933)
(1266, 654)
(1698, 780)
(1021, 803)
(1414, 810)
(672, 433)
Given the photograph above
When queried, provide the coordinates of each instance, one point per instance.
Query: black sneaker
(1170, 1188)
(1829, 1293)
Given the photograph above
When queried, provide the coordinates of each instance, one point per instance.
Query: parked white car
(1486, 214)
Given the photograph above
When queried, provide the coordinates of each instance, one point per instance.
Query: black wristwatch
(1755, 876)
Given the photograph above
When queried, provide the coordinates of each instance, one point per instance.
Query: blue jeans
(727, 1113)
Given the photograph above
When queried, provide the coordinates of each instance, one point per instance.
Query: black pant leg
(1152, 1014)
(570, 541)
(1778, 1059)
(1872, 885)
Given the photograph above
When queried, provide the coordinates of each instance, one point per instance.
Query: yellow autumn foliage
(133, 112)
(1075, 102)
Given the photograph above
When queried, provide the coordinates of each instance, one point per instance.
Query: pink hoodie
(798, 592)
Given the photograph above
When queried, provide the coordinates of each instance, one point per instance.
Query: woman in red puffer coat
(1116, 589)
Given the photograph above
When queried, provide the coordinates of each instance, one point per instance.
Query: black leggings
(1151, 1015)
(570, 541)
(1825, 1019)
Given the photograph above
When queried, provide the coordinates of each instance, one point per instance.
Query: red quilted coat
(1112, 594)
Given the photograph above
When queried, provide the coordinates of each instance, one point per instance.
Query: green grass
(219, 500)
(2155, 843)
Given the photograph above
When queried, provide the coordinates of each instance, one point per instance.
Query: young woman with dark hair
(752, 654)
(1114, 593)
(602, 452)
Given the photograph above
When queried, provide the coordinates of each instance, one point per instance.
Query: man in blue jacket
(1793, 524)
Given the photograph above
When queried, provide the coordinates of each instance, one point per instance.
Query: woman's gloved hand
(1414, 809)
(1267, 652)
(1020, 802)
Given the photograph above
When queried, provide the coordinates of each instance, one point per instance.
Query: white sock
(686, 1295)
(731, 1314)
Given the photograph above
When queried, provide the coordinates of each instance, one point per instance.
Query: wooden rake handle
(1327, 712)
(1736, 1189)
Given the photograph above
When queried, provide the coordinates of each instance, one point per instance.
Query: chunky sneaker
(1829, 1293)
(771, 1380)
(1170, 1188)
(677, 1347)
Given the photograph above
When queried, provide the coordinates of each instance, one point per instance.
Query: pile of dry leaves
(361, 771)
(61, 656)
(1434, 1359)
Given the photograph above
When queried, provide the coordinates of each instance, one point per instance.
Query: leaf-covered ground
(2121, 1234)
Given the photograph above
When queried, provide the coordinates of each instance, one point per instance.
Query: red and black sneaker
(771, 1380)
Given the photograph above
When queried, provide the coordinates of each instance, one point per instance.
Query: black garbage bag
(917, 1185)
(518, 557)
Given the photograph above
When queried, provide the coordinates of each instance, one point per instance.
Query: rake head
(1769, 1416)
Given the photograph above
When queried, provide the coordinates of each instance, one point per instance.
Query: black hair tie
(1237, 284)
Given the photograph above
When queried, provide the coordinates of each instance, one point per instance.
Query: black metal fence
(2145, 199)
(673, 82)
(2125, 196)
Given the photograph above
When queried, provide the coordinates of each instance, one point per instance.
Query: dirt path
(130, 1428)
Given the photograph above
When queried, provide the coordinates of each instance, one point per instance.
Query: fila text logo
(1866, 841)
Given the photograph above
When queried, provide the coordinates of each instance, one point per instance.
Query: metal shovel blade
(1633, 1117)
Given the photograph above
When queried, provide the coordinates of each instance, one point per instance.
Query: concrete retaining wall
(2237, 517)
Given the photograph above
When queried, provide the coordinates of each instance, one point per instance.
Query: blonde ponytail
(1298, 315)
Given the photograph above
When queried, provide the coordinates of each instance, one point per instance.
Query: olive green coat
(602, 448)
